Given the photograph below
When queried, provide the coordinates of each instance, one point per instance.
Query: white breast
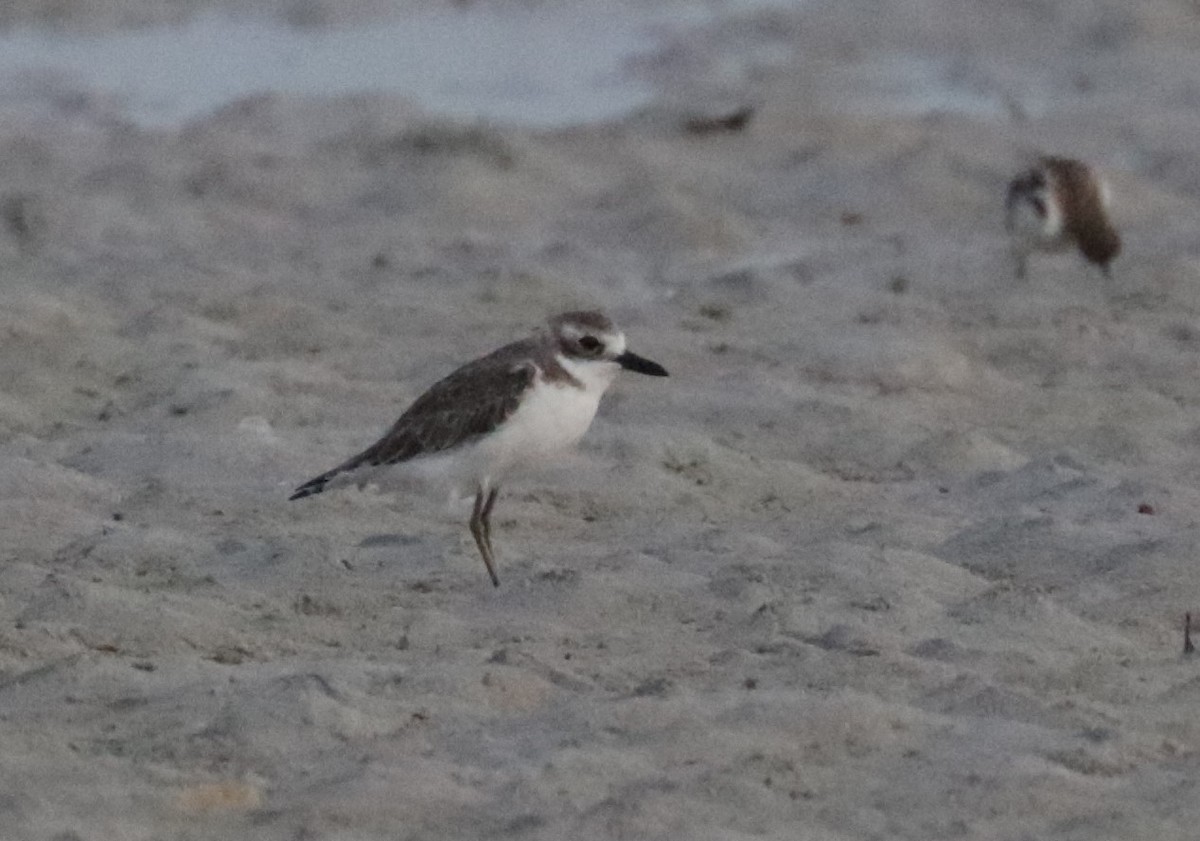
(1030, 230)
(552, 418)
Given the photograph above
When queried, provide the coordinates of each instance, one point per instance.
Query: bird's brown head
(591, 336)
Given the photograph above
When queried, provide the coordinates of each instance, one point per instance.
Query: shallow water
(541, 67)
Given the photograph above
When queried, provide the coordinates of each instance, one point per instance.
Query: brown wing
(1078, 189)
(472, 401)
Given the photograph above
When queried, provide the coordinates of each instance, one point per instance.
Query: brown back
(1084, 215)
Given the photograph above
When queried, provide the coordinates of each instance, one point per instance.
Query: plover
(1057, 203)
(526, 401)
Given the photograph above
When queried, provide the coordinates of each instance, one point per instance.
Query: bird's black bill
(640, 364)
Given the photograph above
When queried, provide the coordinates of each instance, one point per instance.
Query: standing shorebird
(1058, 203)
(528, 400)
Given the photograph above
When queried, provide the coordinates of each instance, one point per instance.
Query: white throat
(596, 375)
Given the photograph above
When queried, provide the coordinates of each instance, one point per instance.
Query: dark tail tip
(309, 488)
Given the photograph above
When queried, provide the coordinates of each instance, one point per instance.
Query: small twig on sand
(733, 121)
(1188, 648)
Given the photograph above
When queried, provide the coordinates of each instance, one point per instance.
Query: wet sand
(901, 550)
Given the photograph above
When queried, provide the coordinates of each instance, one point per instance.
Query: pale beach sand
(901, 550)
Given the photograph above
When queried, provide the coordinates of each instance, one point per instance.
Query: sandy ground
(901, 550)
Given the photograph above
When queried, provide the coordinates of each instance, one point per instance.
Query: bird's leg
(479, 531)
(487, 518)
(1020, 259)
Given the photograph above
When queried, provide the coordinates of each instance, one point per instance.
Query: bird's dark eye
(590, 343)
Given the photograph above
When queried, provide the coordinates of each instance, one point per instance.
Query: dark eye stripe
(590, 343)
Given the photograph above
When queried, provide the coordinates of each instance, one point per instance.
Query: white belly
(1032, 232)
(550, 420)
